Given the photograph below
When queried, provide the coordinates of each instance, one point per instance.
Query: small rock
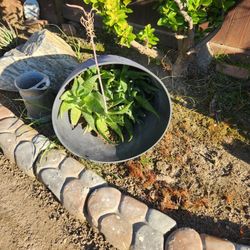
(71, 168)
(214, 243)
(117, 230)
(5, 113)
(132, 209)
(147, 238)
(53, 180)
(103, 201)
(184, 239)
(154, 216)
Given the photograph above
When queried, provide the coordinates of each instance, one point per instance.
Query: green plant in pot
(127, 97)
(110, 108)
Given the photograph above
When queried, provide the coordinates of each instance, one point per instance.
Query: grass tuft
(8, 37)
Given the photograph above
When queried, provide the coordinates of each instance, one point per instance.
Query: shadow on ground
(204, 224)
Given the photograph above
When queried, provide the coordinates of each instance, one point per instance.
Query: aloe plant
(8, 36)
(128, 95)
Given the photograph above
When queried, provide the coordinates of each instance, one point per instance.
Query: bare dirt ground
(31, 218)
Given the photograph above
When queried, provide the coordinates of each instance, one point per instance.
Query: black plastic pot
(91, 147)
(34, 88)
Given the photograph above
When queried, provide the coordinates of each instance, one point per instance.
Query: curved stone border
(125, 222)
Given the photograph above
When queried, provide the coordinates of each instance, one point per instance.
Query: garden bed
(199, 172)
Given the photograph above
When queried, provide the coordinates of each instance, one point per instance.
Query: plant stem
(87, 21)
(99, 74)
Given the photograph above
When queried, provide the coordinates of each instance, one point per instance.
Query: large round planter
(91, 147)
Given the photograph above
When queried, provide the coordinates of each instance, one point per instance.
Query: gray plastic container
(34, 88)
(94, 148)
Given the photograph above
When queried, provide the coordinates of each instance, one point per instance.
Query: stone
(50, 159)
(24, 157)
(10, 125)
(133, 210)
(91, 180)
(53, 180)
(7, 140)
(5, 113)
(102, 201)
(166, 223)
(74, 195)
(242, 247)
(71, 168)
(117, 231)
(44, 52)
(147, 238)
(214, 243)
(184, 239)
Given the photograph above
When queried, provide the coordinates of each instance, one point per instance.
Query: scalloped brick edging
(125, 222)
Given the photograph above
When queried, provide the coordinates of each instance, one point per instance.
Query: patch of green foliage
(128, 94)
(199, 10)
(8, 37)
(115, 14)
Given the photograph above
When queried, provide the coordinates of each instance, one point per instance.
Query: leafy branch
(115, 14)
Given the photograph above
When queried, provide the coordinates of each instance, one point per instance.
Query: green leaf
(75, 115)
(129, 128)
(114, 126)
(123, 110)
(144, 103)
(102, 128)
(119, 119)
(65, 107)
(147, 36)
(75, 85)
(226, 4)
(126, 2)
(67, 95)
(89, 118)
(90, 84)
(206, 3)
(94, 102)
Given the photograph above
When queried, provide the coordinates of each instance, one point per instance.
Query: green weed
(8, 37)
